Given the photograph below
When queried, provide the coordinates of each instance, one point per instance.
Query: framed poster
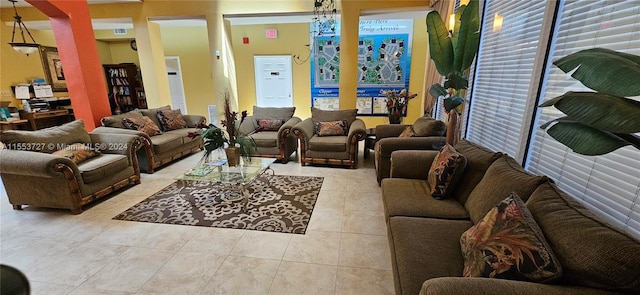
(52, 66)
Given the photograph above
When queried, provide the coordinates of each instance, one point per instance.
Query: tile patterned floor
(345, 249)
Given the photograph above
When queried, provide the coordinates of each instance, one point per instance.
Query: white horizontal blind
(504, 72)
(609, 185)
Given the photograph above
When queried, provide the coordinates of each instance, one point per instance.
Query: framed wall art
(52, 66)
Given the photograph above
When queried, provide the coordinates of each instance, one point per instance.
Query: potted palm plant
(239, 144)
(600, 122)
(453, 52)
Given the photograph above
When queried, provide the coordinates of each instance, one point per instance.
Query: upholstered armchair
(59, 167)
(424, 134)
(274, 140)
(330, 137)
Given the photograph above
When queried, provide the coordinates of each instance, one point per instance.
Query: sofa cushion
(412, 197)
(165, 142)
(77, 152)
(502, 178)
(332, 128)
(143, 124)
(425, 126)
(266, 138)
(445, 171)
(102, 167)
(153, 113)
(508, 244)
(592, 253)
(283, 113)
(171, 120)
(116, 120)
(46, 140)
(424, 248)
(478, 160)
(318, 115)
(328, 143)
(407, 132)
(270, 124)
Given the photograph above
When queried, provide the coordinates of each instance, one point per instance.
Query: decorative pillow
(171, 120)
(445, 171)
(407, 132)
(332, 128)
(143, 124)
(270, 124)
(508, 244)
(77, 152)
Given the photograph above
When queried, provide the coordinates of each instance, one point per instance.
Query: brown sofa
(33, 176)
(279, 144)
(424, 233)
(429, 135)
(160, 149)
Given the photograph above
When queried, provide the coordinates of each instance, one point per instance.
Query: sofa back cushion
(591, 252)
(116, 120)
(478, 161)
(273, 113)
(318, 115)
(46, 140)
(503, 177)
(425, 126)
(153, 113)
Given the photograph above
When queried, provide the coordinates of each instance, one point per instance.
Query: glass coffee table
(236, 177)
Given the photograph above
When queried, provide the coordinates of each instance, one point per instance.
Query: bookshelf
(124, 88)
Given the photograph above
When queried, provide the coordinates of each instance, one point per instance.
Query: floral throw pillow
(407, 132)
(77, 152)
(171, 120)
(270, 124)
(144, 124)
(445, 171)
(332, 128)
(508, 244)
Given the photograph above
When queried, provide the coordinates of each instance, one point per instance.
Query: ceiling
(22, 3)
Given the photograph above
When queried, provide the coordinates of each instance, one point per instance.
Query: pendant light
(24, 47)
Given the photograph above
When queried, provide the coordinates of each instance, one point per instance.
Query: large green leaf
(604, 70)
(456, 81)
(583, 139)
(437, 90)
(440, 47)
(606, 112)
(456, 26)
(468, 38)
(451, 103)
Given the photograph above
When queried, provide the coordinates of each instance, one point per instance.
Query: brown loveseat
(279, 143)
(428, 135)
(424, 233)
(158, 149)
(33, 175)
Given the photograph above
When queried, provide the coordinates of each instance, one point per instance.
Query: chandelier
(24, 47)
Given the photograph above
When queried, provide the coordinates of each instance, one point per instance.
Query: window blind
(504, 72)
(609, 185)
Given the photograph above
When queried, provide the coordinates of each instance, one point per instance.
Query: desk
(15, 125)
(39, 120)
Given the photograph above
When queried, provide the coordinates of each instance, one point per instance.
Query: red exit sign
(271, 33)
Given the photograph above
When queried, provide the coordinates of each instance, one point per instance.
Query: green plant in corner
(600, 122)
(245, 142)
(453, 53)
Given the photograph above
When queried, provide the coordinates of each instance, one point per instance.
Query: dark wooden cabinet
(125, 91)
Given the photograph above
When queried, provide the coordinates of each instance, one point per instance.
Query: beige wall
(291, 40)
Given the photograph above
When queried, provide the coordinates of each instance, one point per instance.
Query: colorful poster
(384, 63)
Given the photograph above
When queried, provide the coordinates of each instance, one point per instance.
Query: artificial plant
(453, 52)
(600, 122)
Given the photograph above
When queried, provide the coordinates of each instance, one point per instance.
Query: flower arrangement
(397, 102)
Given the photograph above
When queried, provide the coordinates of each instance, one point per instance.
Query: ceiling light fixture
(24, 47)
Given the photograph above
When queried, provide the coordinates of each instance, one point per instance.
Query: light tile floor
(344, 251)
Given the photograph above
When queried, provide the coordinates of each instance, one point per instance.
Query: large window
(609, 185)
(511, 34)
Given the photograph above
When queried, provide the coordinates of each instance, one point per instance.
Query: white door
(176, 88)
(274, 85)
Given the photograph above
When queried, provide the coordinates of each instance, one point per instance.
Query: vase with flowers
(397, 104)
(237, 144)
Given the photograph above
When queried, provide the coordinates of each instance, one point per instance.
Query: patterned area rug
(278, 203)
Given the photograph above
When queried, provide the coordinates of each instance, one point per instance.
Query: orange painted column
(72, 29)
